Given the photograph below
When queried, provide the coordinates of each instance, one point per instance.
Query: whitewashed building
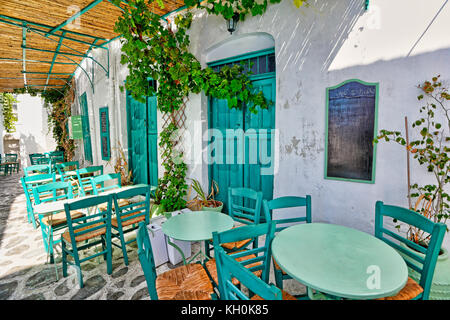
(396, 45)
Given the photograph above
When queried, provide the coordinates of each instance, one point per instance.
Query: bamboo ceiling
(43, 41)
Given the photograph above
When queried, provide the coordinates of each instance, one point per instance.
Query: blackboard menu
(104, 133)
(351, 127)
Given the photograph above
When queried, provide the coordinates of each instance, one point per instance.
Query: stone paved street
(24, 273)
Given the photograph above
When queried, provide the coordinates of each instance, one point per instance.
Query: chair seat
(285, 296)
(127, 222)
(212, 267)
(410, 291)
(121, 203)
(60, 218)
(87, 235)
(189, 282)
(236, 244)
(277, 267)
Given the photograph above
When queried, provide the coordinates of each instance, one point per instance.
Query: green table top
(196, 225)
(56, 206)
(340, 261)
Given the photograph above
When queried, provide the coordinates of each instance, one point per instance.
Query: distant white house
(32, 134)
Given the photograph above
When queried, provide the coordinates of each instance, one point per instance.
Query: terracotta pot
(216, 208)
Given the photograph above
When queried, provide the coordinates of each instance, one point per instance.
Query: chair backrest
(38, 158)
(228, 268)
(244, 205)
(261, 261)
(84, 176)
(98, 182)
(135, 209)
(91, 222)
(37, 169)
(145, 253)
(53, 191)
(10, 157)
(288, 202)
(66, 166)
(55, 157)
(424, 262)
(29, 182)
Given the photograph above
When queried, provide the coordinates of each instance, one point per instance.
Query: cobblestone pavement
(24, 273)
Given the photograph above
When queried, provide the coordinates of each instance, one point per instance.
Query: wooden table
(47, 208)
(339, 261)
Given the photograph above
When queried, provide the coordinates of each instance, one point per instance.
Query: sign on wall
(76, 127)
(104, 134)
(351, 127)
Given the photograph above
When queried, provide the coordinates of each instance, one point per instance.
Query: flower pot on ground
(431, 151)
(440, 287)
(202, 201)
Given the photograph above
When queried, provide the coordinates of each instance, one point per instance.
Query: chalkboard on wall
(351, 127)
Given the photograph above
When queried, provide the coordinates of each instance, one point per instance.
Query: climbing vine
(154, 49)
(58, 110)
(7, 101)
(242, 8)
(158, 49)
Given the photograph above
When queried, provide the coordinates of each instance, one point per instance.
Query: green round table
(196, 225)
(340, 261)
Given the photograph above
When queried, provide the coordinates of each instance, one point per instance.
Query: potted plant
(157, 209)
(202, 201)
(431, 150)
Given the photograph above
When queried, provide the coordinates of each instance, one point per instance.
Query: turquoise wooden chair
(113, 181)
(422, 260)
(37, 169)
(51, 223)
(244, 206)
(230, 269)
(65, 167)
(128, 216)
(284, 203)
(55, 157)
(86, 231)
(187, 282)
(107, 182)
(3, 166)
(253, 264)
(84, 176)
(38, 158)
(256, 259)
(11, 158)
(28, 183)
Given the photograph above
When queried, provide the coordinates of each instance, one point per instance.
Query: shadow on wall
(28, 146)
(317, 37)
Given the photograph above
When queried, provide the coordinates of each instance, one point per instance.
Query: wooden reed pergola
(43, 42)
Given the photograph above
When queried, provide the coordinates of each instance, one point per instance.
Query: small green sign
(77, 129)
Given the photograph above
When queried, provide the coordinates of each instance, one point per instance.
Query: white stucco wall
(398, 44)
(32, 128)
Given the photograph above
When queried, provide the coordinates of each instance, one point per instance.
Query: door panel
(143, 140)
(249, 149)
(85, 127)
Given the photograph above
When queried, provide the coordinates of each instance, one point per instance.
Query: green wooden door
(142, 140)
(85, 127)
(258, 147)
(241, 144)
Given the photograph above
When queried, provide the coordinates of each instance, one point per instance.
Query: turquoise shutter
(85, 125)
(104, 134)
